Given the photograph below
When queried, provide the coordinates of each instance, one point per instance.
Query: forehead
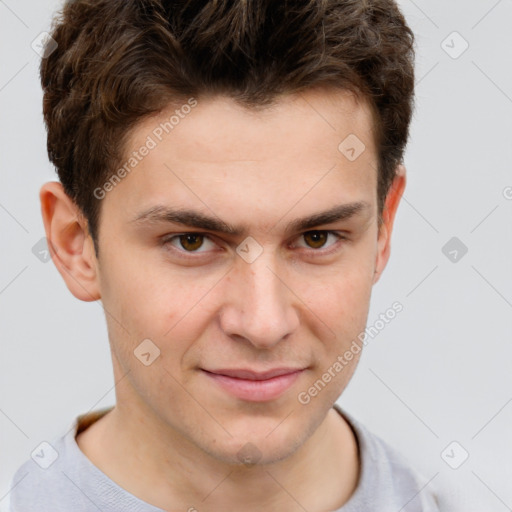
(217, 127)
(218, 153)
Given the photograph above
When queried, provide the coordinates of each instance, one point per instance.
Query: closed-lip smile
(252, 385)
(254, 375)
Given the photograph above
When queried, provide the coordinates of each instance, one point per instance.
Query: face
(244, 246)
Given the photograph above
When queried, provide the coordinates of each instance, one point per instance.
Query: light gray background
(439, 372)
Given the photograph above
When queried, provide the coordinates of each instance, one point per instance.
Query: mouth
(254, 386)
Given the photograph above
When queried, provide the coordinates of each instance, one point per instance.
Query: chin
(260, 445)
(250, 453)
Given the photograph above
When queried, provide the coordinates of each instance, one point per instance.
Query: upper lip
(254, 375)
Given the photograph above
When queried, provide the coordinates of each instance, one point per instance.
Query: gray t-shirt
(60, 478)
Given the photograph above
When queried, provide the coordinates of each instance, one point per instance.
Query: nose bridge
(265, 289)
(262, 311)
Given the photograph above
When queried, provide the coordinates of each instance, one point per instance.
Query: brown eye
(191, 241)
(316, 239)
(320, 242)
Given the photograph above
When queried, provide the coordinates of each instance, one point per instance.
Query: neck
(163, 468)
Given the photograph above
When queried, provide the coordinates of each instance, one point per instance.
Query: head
(246, 125)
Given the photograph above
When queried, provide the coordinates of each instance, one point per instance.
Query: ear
(69, 242)
(388, 217)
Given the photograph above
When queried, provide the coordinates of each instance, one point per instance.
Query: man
(229, 178)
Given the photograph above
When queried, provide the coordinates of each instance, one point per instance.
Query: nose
(260, 307)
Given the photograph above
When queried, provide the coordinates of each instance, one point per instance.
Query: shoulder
(57, 477)
(387, 481)
(41, 482)
(60, 478)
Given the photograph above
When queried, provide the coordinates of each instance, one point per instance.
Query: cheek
(149, 295)
(170, 307)
(341, 305)
(340, 297)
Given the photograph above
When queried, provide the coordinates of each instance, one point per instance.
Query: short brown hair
(118, 61)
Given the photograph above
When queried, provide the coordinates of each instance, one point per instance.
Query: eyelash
(166, 241)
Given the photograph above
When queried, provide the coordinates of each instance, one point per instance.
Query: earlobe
(388, 217)
(70, 244)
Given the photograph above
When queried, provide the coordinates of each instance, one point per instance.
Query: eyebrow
(194, 219)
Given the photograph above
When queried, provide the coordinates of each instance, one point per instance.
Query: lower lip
(255, 390)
